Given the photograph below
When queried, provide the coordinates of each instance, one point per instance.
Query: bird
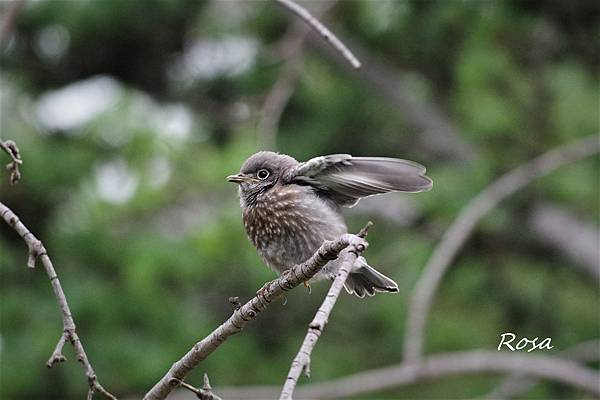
(289, 208)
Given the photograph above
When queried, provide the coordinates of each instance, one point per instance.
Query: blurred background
(129, 115)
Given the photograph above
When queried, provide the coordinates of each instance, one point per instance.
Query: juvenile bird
(290, 208)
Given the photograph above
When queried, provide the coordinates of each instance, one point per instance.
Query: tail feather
(364, 279)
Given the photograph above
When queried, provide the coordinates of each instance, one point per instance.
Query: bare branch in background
(276, 101)
(433, 130)
(578, 240)
(315, 328)
(438, 366)
(38, 251)
(270, 291)
(12, 150)
(8, 20)
(280, 94)
(322, 29)
(516, 384)
(456, 235)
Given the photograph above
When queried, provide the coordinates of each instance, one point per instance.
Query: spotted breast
(288, 224)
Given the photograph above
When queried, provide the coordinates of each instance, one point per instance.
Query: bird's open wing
(347, 179)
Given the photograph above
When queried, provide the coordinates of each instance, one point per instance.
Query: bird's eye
(262, 174)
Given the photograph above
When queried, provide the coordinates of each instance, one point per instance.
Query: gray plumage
(290, 208)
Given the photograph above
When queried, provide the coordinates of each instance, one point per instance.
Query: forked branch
(38, 251)
(247, 312)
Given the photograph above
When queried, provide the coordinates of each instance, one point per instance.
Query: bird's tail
(365, 279)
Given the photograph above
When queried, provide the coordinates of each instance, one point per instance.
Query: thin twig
(434, 367)
(517, 383)
(12, 150)
(38, 251)
(322, 29)
(204, 393)
(466, 221)
(302, 360)
(57, 355)
(246, 313)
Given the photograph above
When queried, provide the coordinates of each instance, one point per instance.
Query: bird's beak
(239, 178)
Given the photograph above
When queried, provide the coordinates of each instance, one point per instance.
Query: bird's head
(260, 173)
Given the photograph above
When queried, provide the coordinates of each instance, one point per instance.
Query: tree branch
(8, 21)
(438, 366)
(247, 312)
(12, 150)
(463, 225)
(576, 239)
(517, 383)
(315, 328)
(38, 251)
(204, 393)
(322, 29)
(276, 101)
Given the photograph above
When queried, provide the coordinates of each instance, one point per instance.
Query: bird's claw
(307, 285)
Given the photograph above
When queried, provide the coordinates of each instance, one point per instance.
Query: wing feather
(347, 179)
